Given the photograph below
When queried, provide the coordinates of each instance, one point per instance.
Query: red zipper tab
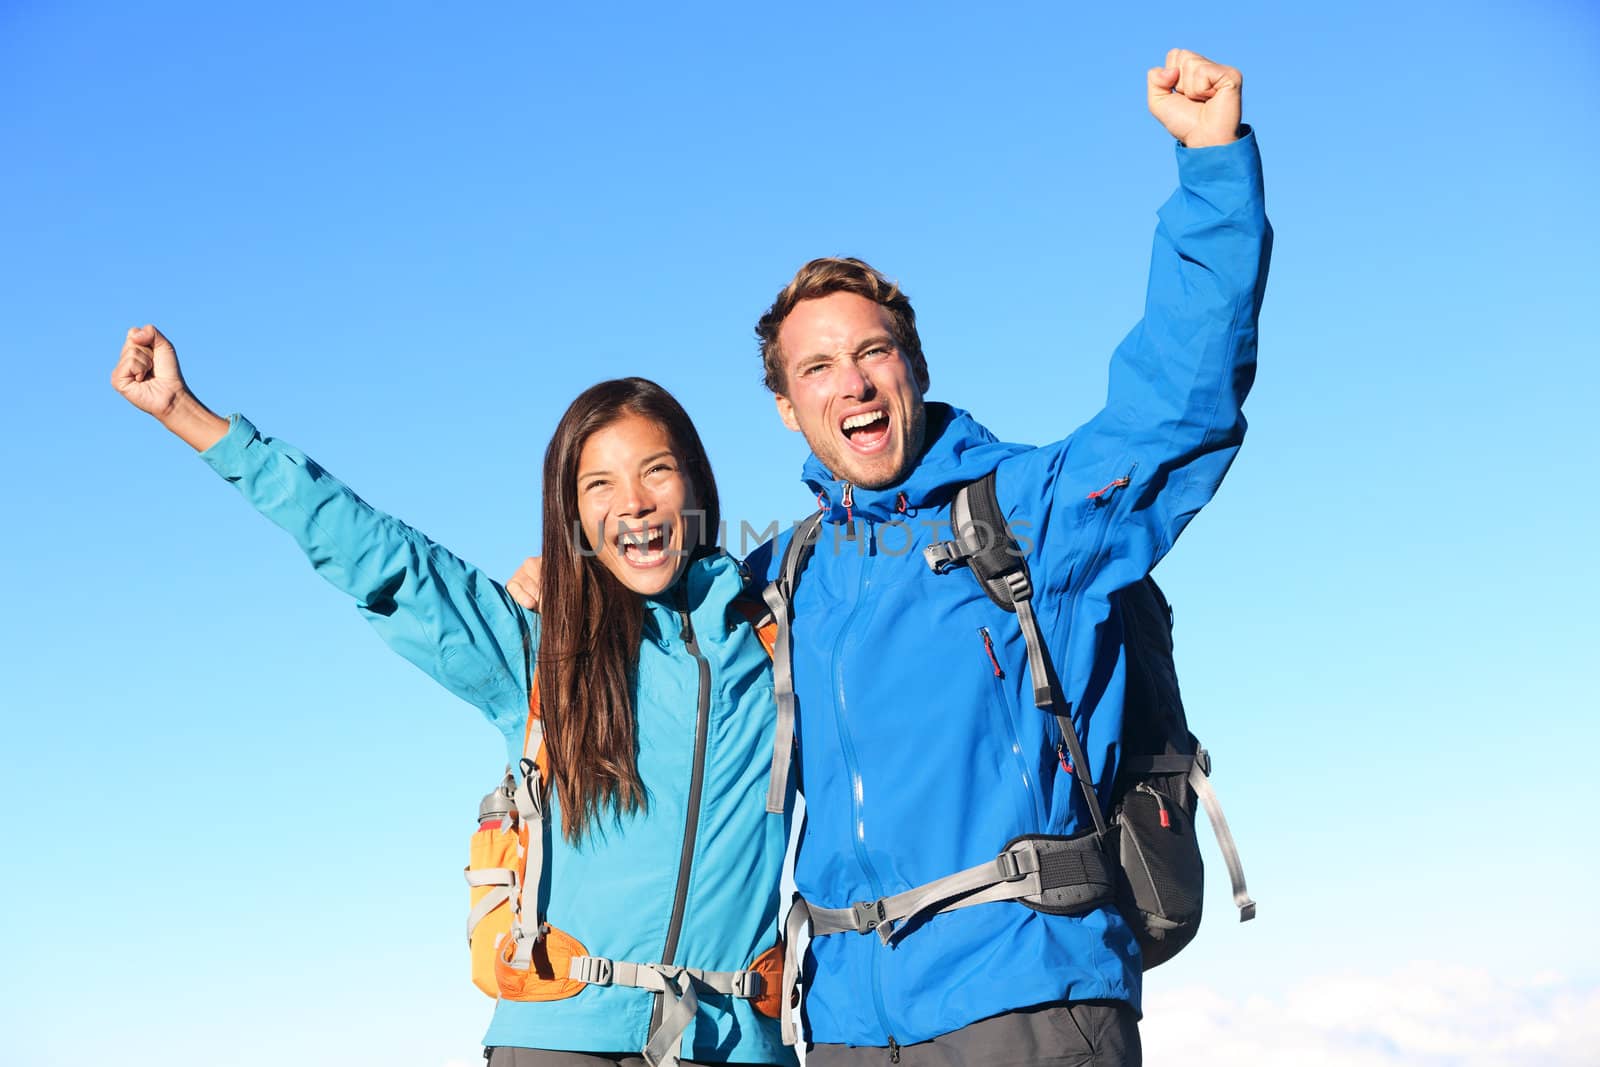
(988, 646)
(1120, 483)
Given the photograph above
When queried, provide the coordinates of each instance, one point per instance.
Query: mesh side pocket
(1163, 878)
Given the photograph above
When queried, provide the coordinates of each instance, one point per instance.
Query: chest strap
(677, 988)
(1060, 875)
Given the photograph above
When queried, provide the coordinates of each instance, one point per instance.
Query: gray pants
(1085, 1033)
(505, 1056)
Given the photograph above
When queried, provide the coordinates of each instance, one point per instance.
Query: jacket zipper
(1064, 713)
(1002, 712)
(691, 819)
(847, 747)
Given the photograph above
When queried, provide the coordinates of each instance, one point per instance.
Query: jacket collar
(956, 450)
(704, 589)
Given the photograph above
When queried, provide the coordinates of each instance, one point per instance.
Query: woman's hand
(148, 377)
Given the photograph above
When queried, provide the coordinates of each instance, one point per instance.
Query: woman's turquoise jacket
(703, 694)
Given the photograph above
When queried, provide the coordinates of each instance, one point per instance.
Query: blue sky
(403, 236)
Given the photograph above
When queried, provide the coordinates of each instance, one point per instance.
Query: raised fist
(1198, 101)
(147, 372)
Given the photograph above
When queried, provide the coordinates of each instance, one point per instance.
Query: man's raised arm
(1173, 420)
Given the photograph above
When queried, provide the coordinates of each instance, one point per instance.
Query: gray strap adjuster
(1009, 866)
(746, 985)
(868, 914)
(942, 555)
(596, 970)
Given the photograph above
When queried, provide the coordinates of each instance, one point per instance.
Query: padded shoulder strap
(779, 598)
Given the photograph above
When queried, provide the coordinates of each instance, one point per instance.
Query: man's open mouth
(867, 431)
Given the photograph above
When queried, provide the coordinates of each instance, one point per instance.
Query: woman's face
(637, 504)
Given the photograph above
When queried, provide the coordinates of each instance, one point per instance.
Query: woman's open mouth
(643, 547)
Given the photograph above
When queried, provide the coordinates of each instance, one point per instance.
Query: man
(920, 750)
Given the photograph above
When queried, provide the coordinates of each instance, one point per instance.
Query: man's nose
(852, 382)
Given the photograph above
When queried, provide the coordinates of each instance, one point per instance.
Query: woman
(655, 706)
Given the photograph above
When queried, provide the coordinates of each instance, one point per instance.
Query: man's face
(850, 389)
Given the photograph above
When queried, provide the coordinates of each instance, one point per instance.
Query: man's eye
(877, 352)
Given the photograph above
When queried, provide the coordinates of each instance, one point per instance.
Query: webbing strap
(677, 988)
(779, 598)
(783, 696)
(1024, 870)
(599, 970)
(490, 900)
(1219, 826)
(1012, 874)
(529, 800)
(491, 876)
(799, 915)
(1168, 764)
(1038, 673)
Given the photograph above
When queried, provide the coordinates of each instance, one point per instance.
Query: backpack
(517, 954)
(1144, 857)
(1163, 771)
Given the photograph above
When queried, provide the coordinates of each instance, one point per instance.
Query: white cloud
(1421, 1015)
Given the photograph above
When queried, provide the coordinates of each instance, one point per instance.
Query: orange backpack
(517, 955)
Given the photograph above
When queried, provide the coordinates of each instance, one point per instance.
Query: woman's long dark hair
(591, 622)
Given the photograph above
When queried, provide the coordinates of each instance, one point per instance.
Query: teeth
(856, 422)
(642, 542)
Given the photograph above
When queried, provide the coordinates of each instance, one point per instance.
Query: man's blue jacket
(920, 755)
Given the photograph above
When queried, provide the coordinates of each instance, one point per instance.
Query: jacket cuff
(1237, 163)
(227, 456)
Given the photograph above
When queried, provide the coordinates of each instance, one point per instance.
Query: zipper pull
(988, 646)
(1100, 493)
(894, 1050)
(686, 632)
(1161, 805)
(848, 500)
(1061, 754)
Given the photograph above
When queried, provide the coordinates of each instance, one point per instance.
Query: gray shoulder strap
(983, 543)
(779, 597)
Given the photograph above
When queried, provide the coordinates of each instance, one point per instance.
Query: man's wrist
(1201, 142)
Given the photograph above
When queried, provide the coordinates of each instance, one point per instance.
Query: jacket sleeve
(439, 612)
(1129, 481)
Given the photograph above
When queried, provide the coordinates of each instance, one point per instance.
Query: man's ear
(786, 412)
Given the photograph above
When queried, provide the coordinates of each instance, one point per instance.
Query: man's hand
(524, 585)
(148, 376)
(1198, 101)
